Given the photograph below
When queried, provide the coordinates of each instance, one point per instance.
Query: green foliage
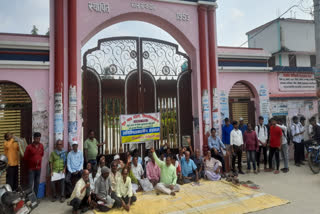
(34, 30)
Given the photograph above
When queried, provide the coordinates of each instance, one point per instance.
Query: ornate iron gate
(135, 75)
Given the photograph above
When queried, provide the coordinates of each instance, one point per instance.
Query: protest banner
(139, 128)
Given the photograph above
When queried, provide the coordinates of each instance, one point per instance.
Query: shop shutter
(240, 110)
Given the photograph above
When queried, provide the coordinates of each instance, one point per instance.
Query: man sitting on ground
(189, 169)
(217, 148)
(80, 198)
(168, 178)
(212, 168)
(102, 191)
(153, 171)
(124, 197)
(197, 159)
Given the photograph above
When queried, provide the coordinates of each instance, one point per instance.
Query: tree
(48, 33)
(34, 30)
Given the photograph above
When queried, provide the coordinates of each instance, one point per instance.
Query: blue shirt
(215, 143)
(226, 130)
(243, 128)
(75, 161)
(187, 167)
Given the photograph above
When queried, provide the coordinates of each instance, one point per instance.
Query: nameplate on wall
(98, 7)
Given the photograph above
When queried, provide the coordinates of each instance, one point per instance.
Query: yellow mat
(210, 197)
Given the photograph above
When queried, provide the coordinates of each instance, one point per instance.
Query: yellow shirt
(11, 150)
(124, 189)
(77, 190)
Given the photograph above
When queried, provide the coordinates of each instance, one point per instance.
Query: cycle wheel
(313, 161)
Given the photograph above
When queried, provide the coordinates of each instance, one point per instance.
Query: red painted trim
(24, 53)
(22, 34)
(72, 42)
(242, 60)
(59, 48)
(212, 49)
(230, 47)
(293, 95)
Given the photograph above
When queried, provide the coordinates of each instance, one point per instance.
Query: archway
(15, 117)
(128, 75)
(242, 103)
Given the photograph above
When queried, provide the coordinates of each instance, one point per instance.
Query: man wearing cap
(119, 162)
(74, 166)
(243, 127)
(102, 191)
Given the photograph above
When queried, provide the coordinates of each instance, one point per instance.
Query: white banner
(296, 82)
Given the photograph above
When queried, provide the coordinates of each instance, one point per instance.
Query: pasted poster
(296, 81)
(224, 105)
(138, 128)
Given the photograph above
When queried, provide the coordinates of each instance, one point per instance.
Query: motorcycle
(15, 202)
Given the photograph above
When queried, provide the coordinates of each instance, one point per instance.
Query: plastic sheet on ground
(210, 197)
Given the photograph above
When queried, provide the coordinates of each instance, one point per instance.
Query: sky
(234, 19)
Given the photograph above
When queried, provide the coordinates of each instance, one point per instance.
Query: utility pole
(317, 40)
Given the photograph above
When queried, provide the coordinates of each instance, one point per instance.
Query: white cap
(74, 142)
(116, 157)
(241, 119)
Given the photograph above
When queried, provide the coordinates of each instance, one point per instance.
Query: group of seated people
(102, 188)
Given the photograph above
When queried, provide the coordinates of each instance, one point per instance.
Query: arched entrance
(128, 75)
(241, 103)
(15, 117)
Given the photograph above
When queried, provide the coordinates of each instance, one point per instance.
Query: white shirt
(137, 171)
(284, 132)
(303, 136)
(262, 133)
(236, 137)
(92, 181)
(294, 130)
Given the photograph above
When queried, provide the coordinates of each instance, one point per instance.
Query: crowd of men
(88, 182)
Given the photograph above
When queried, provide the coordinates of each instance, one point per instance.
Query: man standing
(242, 126)
(74, 165)
(11, 151)
(304, 136)
(216, 147)
(284, 146)
(168, 178)
(275, 145)
(80, 198)
(102, 190)
(33, 155)
(262, 134)
(316, 129)
(236, 142)
(252, 145)
(91, 149)
(58, 160)
(226, 131)
(189, 169)
(296, 133)
(124, 192)
(153, 171)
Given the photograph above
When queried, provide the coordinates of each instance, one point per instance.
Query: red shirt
(33, 155)
(251, 141)
(275, 136)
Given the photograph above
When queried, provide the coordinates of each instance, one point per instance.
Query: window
(313, 60)
(272, 61)
(292, 60)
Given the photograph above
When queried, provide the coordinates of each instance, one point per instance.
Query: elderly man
(168, 178)
(74, 166)
(153, 171)
(80, 198)
(217, 148)
(58, 160)
(124, 195)
(102, 191)
(114, 176)
(189, 169)
(136, 168)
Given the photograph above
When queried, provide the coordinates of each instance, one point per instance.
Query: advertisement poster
(296, 81)
(139, 128)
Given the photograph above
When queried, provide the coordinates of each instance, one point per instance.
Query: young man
(153, 171)
(91, 146)
(275, 145)
(168, 178)
(102, 191)
(124, 192)
(242, 126)
(262, 134)
(33, 155)
(236, 142)
(304, 136)
(296, 133)
(58, 160)
(11, 151)
(252, 145)
(74, 166)
(226, 131)
(80, 198)
(284, 146)
(316, 129)
(189, 169)
(216, 147)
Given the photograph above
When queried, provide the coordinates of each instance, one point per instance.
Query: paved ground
(299, 186)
